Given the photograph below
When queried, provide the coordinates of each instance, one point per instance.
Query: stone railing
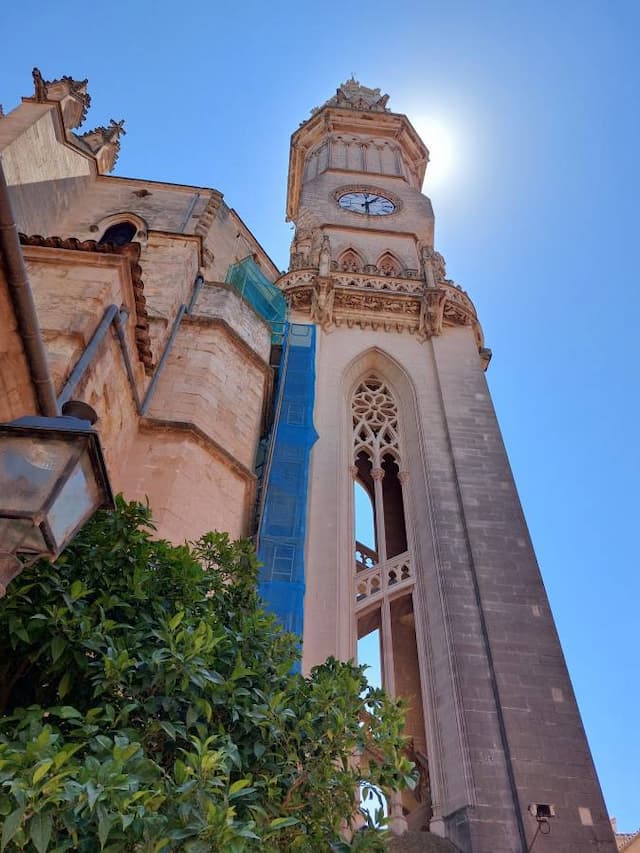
(369, 583)
(366, 558)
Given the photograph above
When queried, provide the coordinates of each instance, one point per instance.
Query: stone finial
(71, 94)
(40, 87)
(352, 95)
(104, 143)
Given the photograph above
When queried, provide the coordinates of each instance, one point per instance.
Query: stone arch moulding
(429, 592)
(101, 225)
(390, 265)
(350, 260)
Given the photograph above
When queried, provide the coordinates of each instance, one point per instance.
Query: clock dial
(369, 204)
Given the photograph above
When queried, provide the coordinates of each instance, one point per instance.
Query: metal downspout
(117, 317)
(24, 306)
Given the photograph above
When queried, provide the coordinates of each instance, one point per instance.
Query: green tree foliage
(148, 704)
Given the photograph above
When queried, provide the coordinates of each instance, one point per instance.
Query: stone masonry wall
(546, 742)
(46, 176)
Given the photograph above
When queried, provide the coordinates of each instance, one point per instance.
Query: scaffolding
(255, 288)
(283, 511)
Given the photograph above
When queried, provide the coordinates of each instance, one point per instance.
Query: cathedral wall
(46, 176)
(71, 290)
(162, 207)
(227, 241)
(17, 397)
(213, 380)
(170, 265)
(191, 488)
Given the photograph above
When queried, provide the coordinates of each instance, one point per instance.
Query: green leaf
(10, 826)
(176, 620)
(65, 684)
(66, 712)
(104, 827)
(92, 793)
(40, 827)
(239, 785)
(180, 771)
(169, 728)
(281, 822)
(77, 589)
(41, 769)
(58, 645)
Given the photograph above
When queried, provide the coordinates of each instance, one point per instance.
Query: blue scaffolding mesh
(282, 528)
(253, 285)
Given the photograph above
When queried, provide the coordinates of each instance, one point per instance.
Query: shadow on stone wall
(421, 842)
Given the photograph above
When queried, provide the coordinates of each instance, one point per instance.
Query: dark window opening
(119, 234)
(394, 524)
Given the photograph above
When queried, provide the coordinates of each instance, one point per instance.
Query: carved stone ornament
(71, 94)
(104, 143)
(431, 313)
(352, 95)
(324, 260)
(381, 302)
(322, 303)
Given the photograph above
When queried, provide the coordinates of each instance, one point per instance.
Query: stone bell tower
(451, 582)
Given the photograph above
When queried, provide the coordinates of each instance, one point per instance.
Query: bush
(149, 705)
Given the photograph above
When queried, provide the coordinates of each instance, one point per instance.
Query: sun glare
(443, 153)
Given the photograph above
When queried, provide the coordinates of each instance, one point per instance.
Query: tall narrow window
(376, 455)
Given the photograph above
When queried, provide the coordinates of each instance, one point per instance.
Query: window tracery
(375, 422)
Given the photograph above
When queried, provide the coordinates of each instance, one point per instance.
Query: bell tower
(450, 581)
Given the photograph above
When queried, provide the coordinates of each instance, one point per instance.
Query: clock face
(368, 203)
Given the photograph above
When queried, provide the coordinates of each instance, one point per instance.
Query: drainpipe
(24, 306)
(117, 317)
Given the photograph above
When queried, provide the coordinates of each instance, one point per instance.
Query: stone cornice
(381, 302)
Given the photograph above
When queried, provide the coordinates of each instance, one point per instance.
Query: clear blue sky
(537, 218)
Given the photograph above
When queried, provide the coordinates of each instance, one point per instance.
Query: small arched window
(389, 265)
(120, 233)
(350, 261)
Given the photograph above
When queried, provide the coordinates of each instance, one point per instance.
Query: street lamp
(52, 480)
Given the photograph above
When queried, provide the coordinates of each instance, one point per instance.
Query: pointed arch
(388, 264)
(350, 260)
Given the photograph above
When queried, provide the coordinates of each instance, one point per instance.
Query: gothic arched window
(350, 261)
(389, 265)
(120, 233)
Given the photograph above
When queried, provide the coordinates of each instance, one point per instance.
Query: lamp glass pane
(20, 534)
(78, 499)
(29, 468)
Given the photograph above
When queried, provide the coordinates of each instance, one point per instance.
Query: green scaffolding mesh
(283, 524)
(255, 288)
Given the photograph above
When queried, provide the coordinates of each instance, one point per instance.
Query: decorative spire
(104, 143)
(351, 95)
(72, 95)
